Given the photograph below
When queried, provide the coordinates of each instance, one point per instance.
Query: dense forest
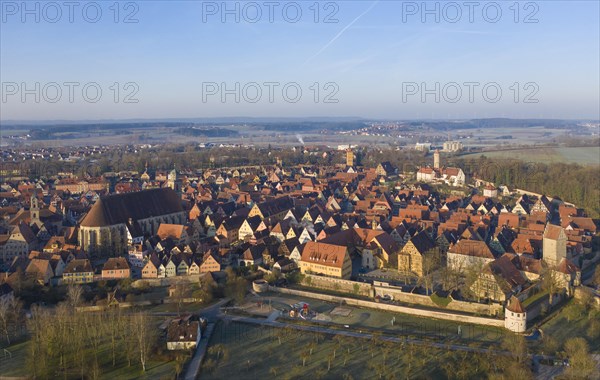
(570, 182)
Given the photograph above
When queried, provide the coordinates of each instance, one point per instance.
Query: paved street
(210, 313)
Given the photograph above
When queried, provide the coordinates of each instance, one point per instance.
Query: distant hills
(218, 126)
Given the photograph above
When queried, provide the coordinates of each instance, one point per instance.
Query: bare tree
(473, 272)
(180, 292)
(515, 344)
(550, 282)
(596, 278)
(582, 364)
(10, 310)
(74, 296)
(144, 336)
(430, 263)
(304, 355)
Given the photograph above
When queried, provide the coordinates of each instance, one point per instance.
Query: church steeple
(145, 177)
(34, 209)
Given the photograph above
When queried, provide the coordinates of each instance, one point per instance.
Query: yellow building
(411, 257)
(349, 157)
(326, 259)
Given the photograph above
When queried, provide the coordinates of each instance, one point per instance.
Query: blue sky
(368, 59)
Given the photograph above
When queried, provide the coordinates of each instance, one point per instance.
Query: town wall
(338, 284)
(493, 309)
(395, 308)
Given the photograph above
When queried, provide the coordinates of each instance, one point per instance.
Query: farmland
(581, 155)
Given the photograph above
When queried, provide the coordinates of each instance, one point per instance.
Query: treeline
(312, 126)
(494, 123)
(570, 182)
(206, 132)
(68, 344)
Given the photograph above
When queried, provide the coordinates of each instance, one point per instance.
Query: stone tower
(515, 316)
(436, 159)
(34, 210)
(554, 246)
(349, 157)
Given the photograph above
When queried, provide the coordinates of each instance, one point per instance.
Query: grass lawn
(572, 321)
(172, 307)
(440, 301)
(534, 298)
(404, 324)
(157, 368)
(13, 362)
(160, 366)
(242, 351)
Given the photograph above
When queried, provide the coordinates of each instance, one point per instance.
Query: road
(211, 313)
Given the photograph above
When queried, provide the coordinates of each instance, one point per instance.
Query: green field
(573, 321)
(582, 155)
(241, 351)
(253, 352)
(13, 363)
(404, 324)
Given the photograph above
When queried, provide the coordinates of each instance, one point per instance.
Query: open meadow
(589, 155)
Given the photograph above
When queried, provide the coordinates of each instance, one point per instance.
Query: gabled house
(177, 232)
(467, 253)
(116, 268)
(150, 269)
(249, 227)
(183, 266)
(419, 248)
(210, 263)
(326, 259)
(253, 255)
(183, 334)
(78, 271)
(40, 269)
(171, 266)
(296, 253)
(499, 280)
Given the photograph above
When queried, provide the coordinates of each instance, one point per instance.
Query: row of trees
(65, 343)
(388, 359)
(11, 318)
(571, 182)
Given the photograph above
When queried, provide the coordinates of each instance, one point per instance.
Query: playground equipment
(301, 310)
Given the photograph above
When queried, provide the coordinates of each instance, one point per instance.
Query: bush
(294, 277)
(143, 286)
(271, 277)
(440, 301)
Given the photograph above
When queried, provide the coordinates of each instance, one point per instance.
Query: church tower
(145, 177)
(172, 179)
(349, 157)
(436, 159)
(34, 210)
(554, 246)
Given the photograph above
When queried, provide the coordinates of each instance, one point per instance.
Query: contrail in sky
(341, 32)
